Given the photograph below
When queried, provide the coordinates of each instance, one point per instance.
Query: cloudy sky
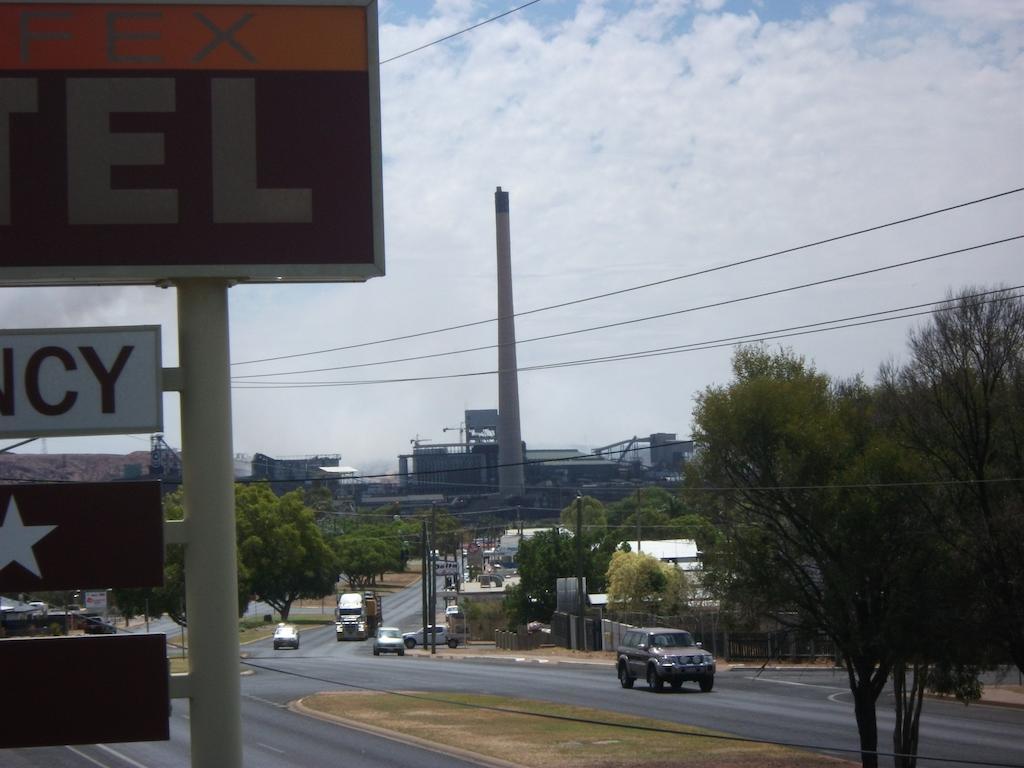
(639, 142)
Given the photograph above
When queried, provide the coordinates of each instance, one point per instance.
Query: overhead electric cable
(704, 271)
(812, 328)
(460, 32)
(18, 445)
(693, 347)
(785, 333)
(450, 353)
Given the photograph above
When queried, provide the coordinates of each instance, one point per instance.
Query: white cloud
(637, 143)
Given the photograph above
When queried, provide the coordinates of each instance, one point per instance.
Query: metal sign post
(211, 569)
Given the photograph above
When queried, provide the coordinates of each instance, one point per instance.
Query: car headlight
(669, 659)
(709, 660)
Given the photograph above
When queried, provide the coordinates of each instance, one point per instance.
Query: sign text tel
(93, 149)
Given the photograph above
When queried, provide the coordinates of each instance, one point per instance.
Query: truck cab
(350, 617)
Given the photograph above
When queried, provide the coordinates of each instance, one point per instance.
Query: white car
(388, 640)
(412, 639)
(286, 636)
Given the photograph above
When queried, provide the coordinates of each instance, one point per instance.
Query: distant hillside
(75, 467)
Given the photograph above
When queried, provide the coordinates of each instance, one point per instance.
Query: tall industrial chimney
(510, 440)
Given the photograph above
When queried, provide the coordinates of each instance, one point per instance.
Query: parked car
(286, 636)
(388, 640)
(412, 639)
(454, 611)
(95, 625)
(660, 654)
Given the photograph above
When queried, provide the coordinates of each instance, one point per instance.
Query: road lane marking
(272, 749)
(124, 757)
(266, 701)
(80, 753)
(794, 682)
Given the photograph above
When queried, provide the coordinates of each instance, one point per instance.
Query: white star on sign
(17, 540)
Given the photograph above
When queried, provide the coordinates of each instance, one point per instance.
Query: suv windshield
(672, 640)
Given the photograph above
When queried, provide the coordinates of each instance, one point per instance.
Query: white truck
(357, 616)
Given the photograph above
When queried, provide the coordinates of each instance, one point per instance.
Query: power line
(644, 319)
(800, 330)
(18, 445)
(460, 32)
(688, 275)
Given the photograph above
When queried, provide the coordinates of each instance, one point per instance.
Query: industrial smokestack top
(500, 201)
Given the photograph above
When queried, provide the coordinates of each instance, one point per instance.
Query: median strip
(538, 734)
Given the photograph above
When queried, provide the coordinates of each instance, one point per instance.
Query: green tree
(551, 555)
(281, 548)
(594, 518)
(636, 582)
(815, 527)
(542, 560)
(959, 405)
(170, 597)
(366, 551)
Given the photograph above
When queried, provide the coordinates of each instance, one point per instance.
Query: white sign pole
(211, 581)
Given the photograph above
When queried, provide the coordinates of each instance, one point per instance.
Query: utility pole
(581, 643)
(425, 568)
(433, 577)
(638, 549)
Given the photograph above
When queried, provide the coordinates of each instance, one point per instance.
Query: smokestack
(510, 441)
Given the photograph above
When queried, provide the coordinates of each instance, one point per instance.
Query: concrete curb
(299, 707)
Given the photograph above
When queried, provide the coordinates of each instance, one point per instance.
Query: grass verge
(522, 738)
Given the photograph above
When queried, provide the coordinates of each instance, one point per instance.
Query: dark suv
(657, 654)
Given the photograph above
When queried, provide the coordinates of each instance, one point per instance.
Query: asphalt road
(812, 708)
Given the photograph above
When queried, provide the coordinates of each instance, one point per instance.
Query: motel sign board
(99, 689)
(61, 536)
(148, 142)
(80, 381)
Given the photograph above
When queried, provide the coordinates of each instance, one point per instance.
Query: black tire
(453, 643)
(401, 652)
(707, 683)
(376, 652)
(410, 642)
(277, 647)
(624, 679)
(654, 682)
(676, 684)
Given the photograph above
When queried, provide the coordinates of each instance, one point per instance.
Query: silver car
(388, 640)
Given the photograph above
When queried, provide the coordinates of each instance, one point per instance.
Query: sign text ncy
(80, 381)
